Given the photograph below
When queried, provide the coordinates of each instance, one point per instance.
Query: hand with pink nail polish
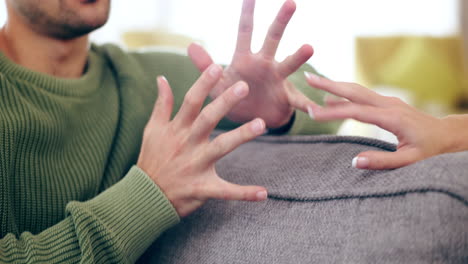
(420, 135)
(271, 96)
(178, 155)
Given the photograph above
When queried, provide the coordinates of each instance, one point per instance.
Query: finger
(298, 100)
(224, 190)
(378, 160)
(199, 57)
(227, 142)
(331, 100)
(195, 97)
(216, 110)
(292, 63)
(244, 37)
(368, 114)
(163, 107)
(353, 92)
(276, 30)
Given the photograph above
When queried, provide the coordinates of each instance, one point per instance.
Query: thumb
(224, 190)
(164, 103)
(199, 57)
(379, 160)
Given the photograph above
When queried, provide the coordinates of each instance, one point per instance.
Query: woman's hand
(271, 96)
(178, 155)
(420, 135)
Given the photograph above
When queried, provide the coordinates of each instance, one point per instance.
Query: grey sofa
(321, 210)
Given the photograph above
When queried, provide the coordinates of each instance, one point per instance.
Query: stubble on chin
(63, 21)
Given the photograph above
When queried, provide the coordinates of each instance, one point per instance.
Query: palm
(267, 89)
(271, 96)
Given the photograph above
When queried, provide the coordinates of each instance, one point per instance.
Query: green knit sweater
(69, 189)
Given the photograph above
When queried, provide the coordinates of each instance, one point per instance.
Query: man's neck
(59, 58)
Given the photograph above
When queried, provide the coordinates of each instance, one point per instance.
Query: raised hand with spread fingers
(271, 96)
(178, 155)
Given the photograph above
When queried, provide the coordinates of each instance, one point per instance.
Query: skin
(51, 37)
(272, 97)
(420, 135)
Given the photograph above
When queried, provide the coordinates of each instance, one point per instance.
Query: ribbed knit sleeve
(101, 230)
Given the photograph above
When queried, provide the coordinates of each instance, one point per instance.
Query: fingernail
(240, 89)
(214, 70)
(312, 76)
(196, 42)
(262, 195)
(159, 79)
(258, 126)
(311, 112)
(360, 162)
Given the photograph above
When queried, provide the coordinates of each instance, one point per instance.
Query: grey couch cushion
(321, 210)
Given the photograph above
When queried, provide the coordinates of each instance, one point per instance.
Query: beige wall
(464, 33)
(464, 28)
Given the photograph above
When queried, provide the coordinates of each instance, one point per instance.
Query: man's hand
(271, 96)
(420, 135)
(178, 155)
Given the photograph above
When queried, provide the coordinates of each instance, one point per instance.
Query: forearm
(116, 226)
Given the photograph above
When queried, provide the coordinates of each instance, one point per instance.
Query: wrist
(454, 126)
(284, 128)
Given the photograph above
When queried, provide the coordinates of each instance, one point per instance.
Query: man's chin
(88, 15)
(73, 32)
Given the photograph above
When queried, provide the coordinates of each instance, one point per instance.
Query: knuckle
(190, 99)
(197, 190)
(394, 119)
(219, 145)
(225, 194)
(245, 27)
(149, 129)
(275, 34)
(245, 133)
(206, 118)
(167, 100)
(375, 163)
(392, 100)
(354, 85)
(226, 100)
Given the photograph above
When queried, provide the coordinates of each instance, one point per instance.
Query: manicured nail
(214, 70)
(311, 112)
(360, 162)
(160, 79)
(311, 76)
(262, 195)
(197, 43)
(240, 89)
(258, 126)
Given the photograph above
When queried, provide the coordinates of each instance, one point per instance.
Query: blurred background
(410, 49)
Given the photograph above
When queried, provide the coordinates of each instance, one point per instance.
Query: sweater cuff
(134, 213)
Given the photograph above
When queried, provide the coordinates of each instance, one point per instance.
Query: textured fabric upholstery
(321, 210)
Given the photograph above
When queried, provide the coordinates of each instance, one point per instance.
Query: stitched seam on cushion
(326, 139)
(367, 196)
